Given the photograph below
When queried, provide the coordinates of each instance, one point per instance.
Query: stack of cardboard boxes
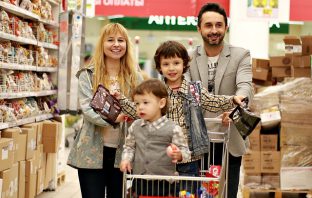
(295, 63)
(280, 154)
(262, 163)
(27, 158)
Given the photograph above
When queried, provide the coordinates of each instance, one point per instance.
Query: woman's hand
(121, 118)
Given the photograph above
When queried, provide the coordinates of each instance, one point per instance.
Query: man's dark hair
(211, 7)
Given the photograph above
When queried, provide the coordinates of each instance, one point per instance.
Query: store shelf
(26, 121)
(54, 2)
(47, 45)
(46, 69)
(27, 94)
(11, 37)
(15, 66)
(18, 11)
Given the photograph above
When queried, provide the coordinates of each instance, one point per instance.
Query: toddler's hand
(174, 152)
(125, 166)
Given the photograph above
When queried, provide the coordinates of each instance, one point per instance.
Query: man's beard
(207, 41)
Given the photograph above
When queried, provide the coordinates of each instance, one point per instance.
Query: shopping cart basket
(208, 184)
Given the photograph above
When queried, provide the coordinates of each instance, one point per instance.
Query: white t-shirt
(212, 68)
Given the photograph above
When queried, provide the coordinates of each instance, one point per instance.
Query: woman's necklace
(114, 84)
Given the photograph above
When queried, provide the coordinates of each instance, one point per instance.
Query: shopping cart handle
(213, 120)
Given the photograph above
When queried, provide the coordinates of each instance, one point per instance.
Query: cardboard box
(292, 45)
(37, 126)
(10, 182)
(301, 61)
(31, 178)
(21, 178)
(19, 142)
(281, 72)
(268, 142)
(272, 180)
(261, 63)
(295, 134)
(252, 179)
(31, 142)
(40, 182)
(50, 169)
(280, 61)
(14, 179)
(251, 162)
(7, 185)
(254, 139)
(301, 72)
(270, 161)
(6, 153)
(296, 178)
(50, 133)
(306, 44)
(261, 73)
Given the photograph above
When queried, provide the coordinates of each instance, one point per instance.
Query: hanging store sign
(145, 8)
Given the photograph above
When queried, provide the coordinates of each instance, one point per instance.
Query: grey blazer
(233, 77)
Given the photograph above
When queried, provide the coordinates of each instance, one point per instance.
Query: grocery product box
(254, 139)
(6, 153)
(251, 162)
(270, 161)
(268, 142)
(301, 72)
(261, 63)
(306, 44)
(301, 61)
(259, 73)
(40, 181)
(281, 71)
(30, 143)
(292, 45)
(50, 135)
(296, 178)
(21, 178)
(19, 142)
(271, 180)
(9, 182)
(280, 61)
(30, 179)
(37, 126)
(252, 179)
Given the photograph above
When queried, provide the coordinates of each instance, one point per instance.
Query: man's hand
(125, 166)
(238, 100)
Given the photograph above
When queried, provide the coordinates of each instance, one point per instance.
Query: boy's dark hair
(171, 49)
(155, 87)
(211, 7)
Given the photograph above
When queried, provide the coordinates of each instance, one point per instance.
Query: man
(224, 70)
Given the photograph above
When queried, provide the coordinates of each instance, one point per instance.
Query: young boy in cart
(154, 143)
(172, 61)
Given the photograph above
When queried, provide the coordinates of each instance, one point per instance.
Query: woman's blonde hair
(127, 76)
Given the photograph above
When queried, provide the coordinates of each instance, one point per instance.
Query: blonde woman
(97, 147)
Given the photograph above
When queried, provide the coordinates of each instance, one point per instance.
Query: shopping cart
(208, 184)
